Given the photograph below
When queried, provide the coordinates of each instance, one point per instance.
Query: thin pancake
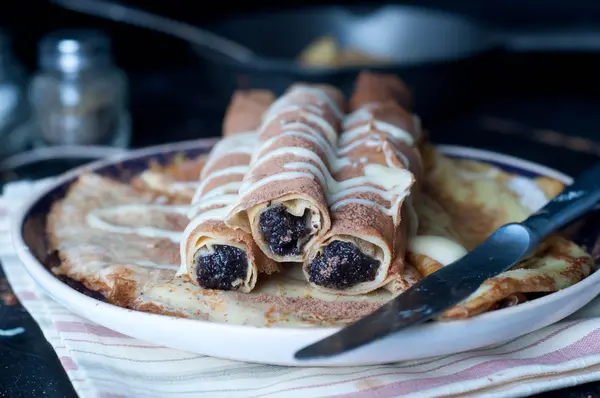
(178, 180)
(117, 264)
(121, 265)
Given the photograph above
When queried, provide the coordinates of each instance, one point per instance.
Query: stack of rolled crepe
(369, 206)
(283, 199)
(214, 255)
(296, 191)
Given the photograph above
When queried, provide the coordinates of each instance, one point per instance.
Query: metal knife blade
(432, 295)
(455, 282)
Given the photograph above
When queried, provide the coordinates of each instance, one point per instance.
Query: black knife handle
(573, 202)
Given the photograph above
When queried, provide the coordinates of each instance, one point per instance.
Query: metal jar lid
(74, 50)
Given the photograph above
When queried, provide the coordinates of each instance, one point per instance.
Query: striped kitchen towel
(104, 363)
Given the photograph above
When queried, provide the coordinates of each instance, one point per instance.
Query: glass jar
(14, 109)
(79, 97)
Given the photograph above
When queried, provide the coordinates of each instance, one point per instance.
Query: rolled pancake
(180, 180)
(380, 87)
(283, 200)
(215, 256)
(136, 271)
(371, 221)
(246, 110)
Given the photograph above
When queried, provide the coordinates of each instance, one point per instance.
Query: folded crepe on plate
(557, 263)
(283, 200)
(369, 198)
(177, 181)
(215, 256)
(481, 198)
(122, 239)
(115, 239)
(436, 242)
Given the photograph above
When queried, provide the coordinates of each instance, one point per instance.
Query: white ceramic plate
(278, 345)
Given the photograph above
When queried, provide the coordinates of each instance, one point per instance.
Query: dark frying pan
(440, 55)
(435, 53)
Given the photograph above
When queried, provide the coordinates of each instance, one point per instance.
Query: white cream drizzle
(395, 180)
(335, 156)
(239, 170)
(301, 89)
(442, 250)
(531, 196)
(250, 186)
(313, 113)
(159, 182)
(364, 114)
(228, 188)
(223, 195)
(152, 264)
(209, 215)
(239, 143)
(394, 132)
(317, 119)
(182, 186)
(94, 220)
(220, 199)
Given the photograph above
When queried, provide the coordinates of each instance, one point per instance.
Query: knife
(455, 282)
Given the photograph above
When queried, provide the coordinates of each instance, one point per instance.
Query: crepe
(122, 237)
(459, 214)
(380, 87)
(435, 244)
(480, 198)
(114, 238)
(557, 264)
(283, 198)
(137, 271)
(370, 219)
(177, 181)
(215, 256)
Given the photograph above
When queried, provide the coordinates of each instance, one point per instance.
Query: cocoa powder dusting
(166, 251)
(314, 308)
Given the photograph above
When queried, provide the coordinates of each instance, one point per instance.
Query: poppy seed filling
(283, 231)
(342, 265)
(223, 268)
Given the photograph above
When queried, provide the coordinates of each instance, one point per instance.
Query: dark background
(543, 106)
(170, 100)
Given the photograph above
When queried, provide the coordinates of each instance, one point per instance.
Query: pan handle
(189, 33)
(573, 39)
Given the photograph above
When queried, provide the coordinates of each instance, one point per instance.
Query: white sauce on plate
(442, 250)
